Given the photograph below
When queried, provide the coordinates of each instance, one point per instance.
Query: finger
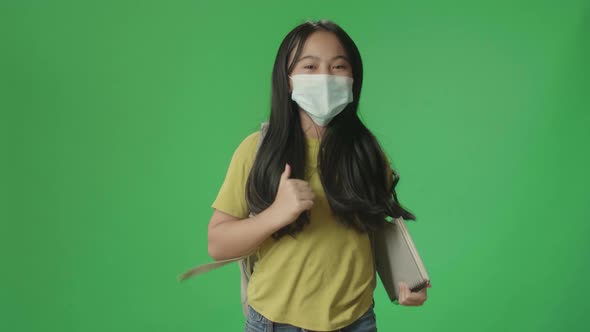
(307, 204)
(409, 302)
(402, 292)
(304, 195)
(286, 172)
(408, 299)
(423, 290)
(303, 187)
(300, 183)
(416, 298)
(412, 298)
(414, 303)
(297, 185)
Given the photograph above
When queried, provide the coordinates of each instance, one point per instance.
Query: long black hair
(353, 168)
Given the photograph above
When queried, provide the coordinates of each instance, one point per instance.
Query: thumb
(286, 173)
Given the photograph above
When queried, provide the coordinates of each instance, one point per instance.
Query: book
(397, 259)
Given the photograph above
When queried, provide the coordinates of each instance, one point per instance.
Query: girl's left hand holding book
(409, 298)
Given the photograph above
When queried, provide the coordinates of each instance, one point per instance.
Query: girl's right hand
(293, 197)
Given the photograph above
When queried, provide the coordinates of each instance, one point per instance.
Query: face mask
(322, 96)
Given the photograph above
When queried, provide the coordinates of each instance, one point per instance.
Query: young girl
(319, 183)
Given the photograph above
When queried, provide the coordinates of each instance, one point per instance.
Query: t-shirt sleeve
(231, 197)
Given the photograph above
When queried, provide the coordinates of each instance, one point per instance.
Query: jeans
(255, 322)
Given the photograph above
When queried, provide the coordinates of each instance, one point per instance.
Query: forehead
(323, 44)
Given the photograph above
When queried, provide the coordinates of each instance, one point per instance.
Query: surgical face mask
(322, 96)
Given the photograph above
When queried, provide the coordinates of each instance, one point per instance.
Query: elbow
(212, 252)
(213, 248)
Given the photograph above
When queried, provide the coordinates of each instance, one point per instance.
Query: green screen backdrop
(119, 119)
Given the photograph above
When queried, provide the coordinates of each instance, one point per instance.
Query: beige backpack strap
(263, 130)
(200, 269)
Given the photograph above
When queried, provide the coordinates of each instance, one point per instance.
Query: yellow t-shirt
(322, 280)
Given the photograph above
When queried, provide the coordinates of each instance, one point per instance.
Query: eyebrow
(317, 58)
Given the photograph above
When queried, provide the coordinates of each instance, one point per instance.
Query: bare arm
(231, 237)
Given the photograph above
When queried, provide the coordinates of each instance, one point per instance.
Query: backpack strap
(263, 130)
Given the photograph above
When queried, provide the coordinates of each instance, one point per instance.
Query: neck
(310, 128)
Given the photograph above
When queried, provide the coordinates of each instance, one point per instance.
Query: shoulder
(246, 150)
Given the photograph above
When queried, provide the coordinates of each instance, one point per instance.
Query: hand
(293, 197)
(409, 298)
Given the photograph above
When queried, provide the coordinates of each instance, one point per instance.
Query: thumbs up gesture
(293, 197)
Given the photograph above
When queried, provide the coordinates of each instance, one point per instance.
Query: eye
(308, 66)
(340, 66)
